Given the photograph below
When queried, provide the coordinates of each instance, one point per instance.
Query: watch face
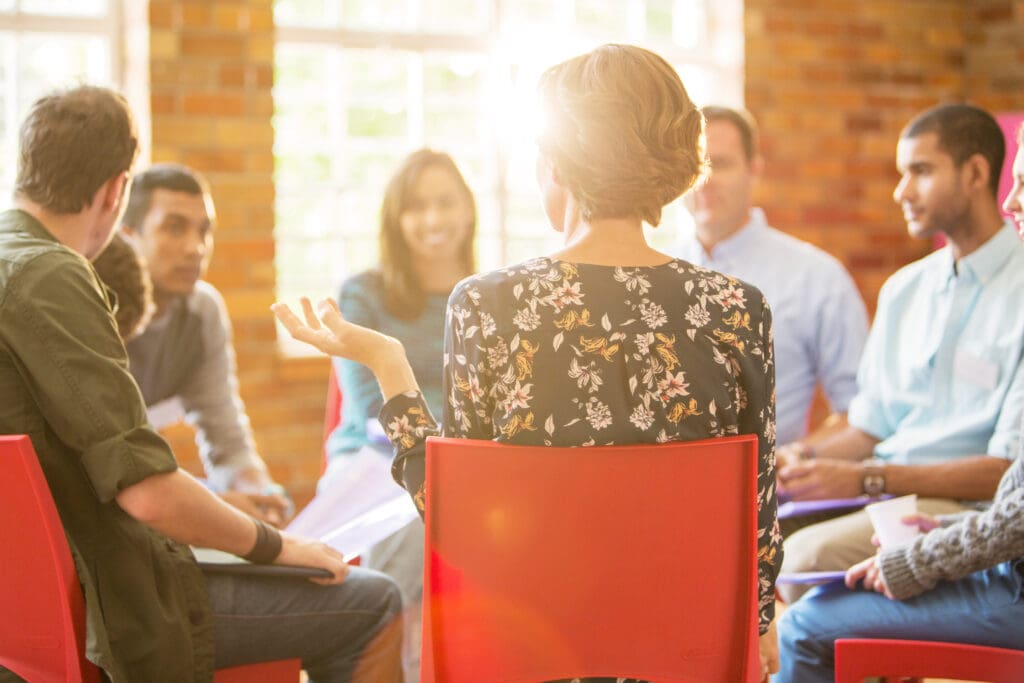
(874, 484)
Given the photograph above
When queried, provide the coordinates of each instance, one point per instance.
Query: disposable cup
(887, 515)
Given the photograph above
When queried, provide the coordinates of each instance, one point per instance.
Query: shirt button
(195, 617)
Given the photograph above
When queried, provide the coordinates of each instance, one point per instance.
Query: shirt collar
(740, 241)
(984, 262)
(16, 219)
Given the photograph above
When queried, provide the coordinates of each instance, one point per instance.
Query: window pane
(690, 23)
(659, 20)
(530, 14)
(58, 60)
(305, 12)
(93, 8)
(453, 16)
(453, 90)
(376, 73)
(605, 19)
(32, 64)
(377, 14)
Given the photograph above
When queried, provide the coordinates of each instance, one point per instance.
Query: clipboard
(218, 562)
(809, 578)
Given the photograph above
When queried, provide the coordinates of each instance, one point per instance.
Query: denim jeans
(984, 608)
(348, 632)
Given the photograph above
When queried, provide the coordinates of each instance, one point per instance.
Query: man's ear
(113, 191)
(977, 172)
(757, 165)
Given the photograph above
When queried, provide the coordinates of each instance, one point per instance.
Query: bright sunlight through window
(361, 83)
(47, 44)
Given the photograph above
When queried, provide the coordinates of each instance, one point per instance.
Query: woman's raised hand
(327, 330)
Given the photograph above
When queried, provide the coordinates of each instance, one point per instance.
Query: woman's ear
(547, 172)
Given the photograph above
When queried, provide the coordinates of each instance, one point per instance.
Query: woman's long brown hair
(404, 296)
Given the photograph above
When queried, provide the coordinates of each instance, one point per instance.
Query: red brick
(163, 103)
(216, 45)
(195, 14)
(163, 15)
(222, 104)
(212, 161)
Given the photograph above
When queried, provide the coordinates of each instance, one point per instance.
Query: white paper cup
(887, 515)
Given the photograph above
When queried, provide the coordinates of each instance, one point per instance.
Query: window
(361, 83)
(46, 44)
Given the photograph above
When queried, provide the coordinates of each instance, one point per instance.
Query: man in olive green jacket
(128, 511)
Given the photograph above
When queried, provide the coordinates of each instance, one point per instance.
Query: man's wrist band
(268, 544)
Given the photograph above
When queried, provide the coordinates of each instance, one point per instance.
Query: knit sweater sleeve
(975, 542)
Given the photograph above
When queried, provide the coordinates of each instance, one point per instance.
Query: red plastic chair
(332, 414)
(858, 658)
(46, 643)
(546, 563)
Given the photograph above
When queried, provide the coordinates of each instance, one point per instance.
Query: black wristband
(267, 546)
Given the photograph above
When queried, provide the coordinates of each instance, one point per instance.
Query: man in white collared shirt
(818, 316)
(940, 387)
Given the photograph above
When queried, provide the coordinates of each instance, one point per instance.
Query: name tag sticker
(978, 371)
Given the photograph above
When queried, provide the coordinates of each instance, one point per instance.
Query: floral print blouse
(566, 354)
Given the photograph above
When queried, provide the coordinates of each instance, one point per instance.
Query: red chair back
(546, 563)
(332, 414)
(858, 658)
(46, 642)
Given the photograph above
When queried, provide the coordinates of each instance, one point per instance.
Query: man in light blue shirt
(818, 316)
(940, 388)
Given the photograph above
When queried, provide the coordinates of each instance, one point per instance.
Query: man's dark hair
(172, 177)
(70, 144)
(964, 130)
(741, 120)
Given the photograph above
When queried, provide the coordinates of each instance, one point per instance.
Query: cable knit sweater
(966, 543)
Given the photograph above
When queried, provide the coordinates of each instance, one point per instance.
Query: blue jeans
(349, 632)
(984, 608)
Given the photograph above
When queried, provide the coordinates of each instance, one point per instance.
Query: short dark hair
(70, 144)
(404, 296)
(742, 120)
(122, 270)
(173, 177)
(964, 130)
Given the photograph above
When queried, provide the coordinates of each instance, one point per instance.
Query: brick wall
(831, 84)
(210, 79)
(995, 54)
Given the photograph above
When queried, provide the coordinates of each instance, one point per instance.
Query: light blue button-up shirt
(818, 316)
(941, 376)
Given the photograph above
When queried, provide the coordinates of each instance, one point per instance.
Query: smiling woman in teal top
(427, 226)
(428, 222)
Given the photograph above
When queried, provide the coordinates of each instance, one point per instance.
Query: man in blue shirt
(819, 319)
(940, 387)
